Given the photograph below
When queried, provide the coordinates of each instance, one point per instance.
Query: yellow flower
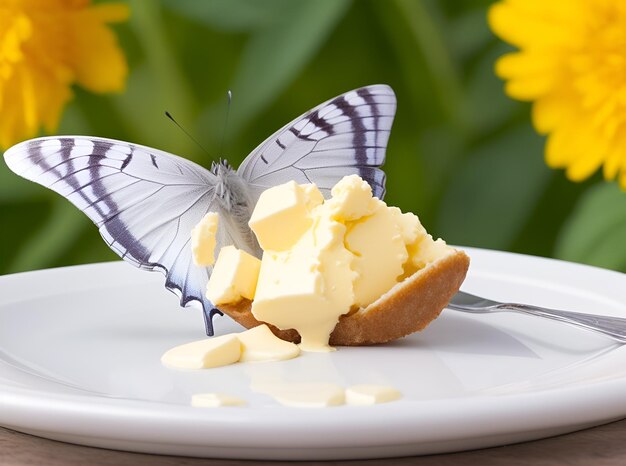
(46, 46)
(572, 64)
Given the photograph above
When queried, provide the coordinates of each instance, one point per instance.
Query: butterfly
(145, 202)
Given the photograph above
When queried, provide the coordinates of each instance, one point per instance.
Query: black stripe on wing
(349, 133)
(359, 142)
(145, 202)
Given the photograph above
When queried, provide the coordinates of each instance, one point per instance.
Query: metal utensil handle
(615, 327)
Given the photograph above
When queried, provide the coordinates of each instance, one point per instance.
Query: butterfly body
(233, 196)
(145, 202)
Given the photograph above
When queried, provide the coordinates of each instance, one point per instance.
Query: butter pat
(323, 395)
(256, 344)
(351, 199)
(260, 344)
(371, 394)
(291, 295)
(282, 215)
(310, 286)
(304, 395)
(378, 243)
(409, 225)
(234, 276)
(215, 400)
(323, 259)
(203, 354)
(425, 250)
(203, 240)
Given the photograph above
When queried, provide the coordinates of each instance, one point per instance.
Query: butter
(371, 394)
(260, 344)
(351, 199)
(256, 344)
(203, 354)
(378, 244)
(281, 215)
(215, 400)
(323, 395)
(323, 259)
(203, 240)
(305, 395)
(426, 250)
(409, 225)
(234, 276)
(309, 286)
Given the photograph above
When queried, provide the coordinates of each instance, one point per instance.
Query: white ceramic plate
(80, 349)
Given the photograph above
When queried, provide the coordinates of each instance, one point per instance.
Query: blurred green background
(462, 155)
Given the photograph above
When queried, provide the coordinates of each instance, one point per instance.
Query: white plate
(80, 349)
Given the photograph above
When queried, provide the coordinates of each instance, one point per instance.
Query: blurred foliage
(462, 155)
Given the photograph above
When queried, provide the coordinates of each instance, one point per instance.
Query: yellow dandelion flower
(571, 64)
(46, 46)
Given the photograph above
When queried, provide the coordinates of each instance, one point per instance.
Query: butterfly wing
(343, 136)
(144, 201)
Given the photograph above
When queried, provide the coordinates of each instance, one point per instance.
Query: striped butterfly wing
(343, 136)
(144, 201)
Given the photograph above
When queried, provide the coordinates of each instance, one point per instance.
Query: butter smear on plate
(256, 344)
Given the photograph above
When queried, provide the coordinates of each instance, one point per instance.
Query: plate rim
(222, 424)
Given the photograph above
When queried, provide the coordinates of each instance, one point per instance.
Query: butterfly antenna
(230, 98)
(169, 115)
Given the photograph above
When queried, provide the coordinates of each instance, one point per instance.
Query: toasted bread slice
(407, 308)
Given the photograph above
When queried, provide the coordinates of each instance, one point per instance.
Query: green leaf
(74, 121)
(441, 148)
(14, 188)
(142, 108)
(428, 36)
(596, 231)
(494, 191)
(413, 67)
(155, 85)
(469, 33)
(52, 240)
(485, 99)
(272, 58)
(232, 15)
(19, 221)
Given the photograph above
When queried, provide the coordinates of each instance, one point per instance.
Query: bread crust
(407, 308)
